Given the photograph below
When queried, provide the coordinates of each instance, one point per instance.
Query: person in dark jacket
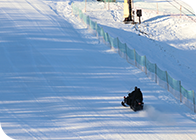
(138, 95)
(134, 100)
(135, 95)
(131, 96)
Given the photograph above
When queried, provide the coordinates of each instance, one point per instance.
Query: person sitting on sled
(138, 96)
(135, 95)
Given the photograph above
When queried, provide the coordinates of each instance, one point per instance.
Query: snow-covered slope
(60, 82)
(169, 41)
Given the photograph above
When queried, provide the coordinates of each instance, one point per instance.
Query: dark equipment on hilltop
(139, 14)
(134, 100)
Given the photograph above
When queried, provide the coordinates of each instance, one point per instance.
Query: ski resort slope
(58, 81)
(165, 38)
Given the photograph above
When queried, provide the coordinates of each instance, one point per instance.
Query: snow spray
(154, 115)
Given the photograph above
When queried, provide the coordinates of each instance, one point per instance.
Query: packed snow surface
(165, 37)
(59, 81)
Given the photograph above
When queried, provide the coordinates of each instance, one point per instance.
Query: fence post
(135, 57)
(88, 20)
(118, 45)
(109, 41)
(145, 65)
(97, 34)
(180, 92)
(155, 73)
(167, 80)
(90, 23)
(104, 37)
(126, 51)
(194, 101)
(103, 34)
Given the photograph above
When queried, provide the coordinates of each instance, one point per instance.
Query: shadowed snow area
(60, 82)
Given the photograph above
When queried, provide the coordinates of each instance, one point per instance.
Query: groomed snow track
(59, 82)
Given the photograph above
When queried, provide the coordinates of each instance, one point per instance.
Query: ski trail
(29, 57)
(58, 83)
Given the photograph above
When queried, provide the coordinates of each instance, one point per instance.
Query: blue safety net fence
(159, 76)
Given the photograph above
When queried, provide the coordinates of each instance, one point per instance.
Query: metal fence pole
(145, 65)
(180, 92)
(126, 51)
(194, 101)
(167, 80)
(135, 57)
(155, 73)
(118, 45)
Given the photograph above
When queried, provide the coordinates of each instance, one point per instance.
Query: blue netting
(80, 14)
(111, 40)
(150, 66)
(140, 59)
(130, 53)
(122, 47)
(187, 94)
(106, 38)
(85, 19)
(175, 84)
(99, 30)
(115, 42)
(74, 9)
(161, 74)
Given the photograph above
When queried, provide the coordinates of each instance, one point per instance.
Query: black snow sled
(135, 105)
